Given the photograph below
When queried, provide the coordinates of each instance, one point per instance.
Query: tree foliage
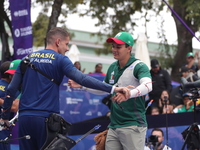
(121, 18)
(120, 15)
(58, 9)
(193, 9)
(39, 29)
(189, 14)
(4, 18)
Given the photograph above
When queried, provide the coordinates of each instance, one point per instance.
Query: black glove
(107, 100)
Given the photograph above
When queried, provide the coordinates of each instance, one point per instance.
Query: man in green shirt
(128, 126)
(187, 106)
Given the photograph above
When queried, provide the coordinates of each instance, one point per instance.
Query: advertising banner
(78, 105)
(22, 27)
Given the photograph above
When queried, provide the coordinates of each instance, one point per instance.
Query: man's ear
(130, 48)
(57, 42)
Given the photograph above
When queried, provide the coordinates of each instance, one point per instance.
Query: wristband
(83, 88)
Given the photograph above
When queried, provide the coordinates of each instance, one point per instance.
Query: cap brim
(10, 71)
(117, 41)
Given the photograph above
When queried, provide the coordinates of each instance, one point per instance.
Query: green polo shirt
(183, 109)
(133, 112)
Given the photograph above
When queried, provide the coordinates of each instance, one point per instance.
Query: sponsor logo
(89, 113)
(94, 101)
(21, 13)
(68, 87)
(74, 112)
(17, 32)
(21, 51)
(70, 100)
(23, 31)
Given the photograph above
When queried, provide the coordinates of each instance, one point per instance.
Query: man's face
(120, 51)
(155, 69)
(186, 99)
(98, 68)
(184, 74)
(77, 65)
(63, 45)
(189, 59)
(159, 135)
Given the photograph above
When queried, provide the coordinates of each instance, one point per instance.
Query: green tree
(4, 19)
(189, 11)
(59, 8)
(118, 15)
(39, 29)
(114, 16)
(121, 19)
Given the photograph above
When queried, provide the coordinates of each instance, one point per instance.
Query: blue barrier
(85, 110)
(77, 105)
(177, 123)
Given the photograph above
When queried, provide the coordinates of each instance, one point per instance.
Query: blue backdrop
(85, 110)
(175, 140)
(77, 105)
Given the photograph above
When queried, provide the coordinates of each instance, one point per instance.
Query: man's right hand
(73, 84)
(124, 90)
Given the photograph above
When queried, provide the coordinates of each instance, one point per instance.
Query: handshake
(122, 93)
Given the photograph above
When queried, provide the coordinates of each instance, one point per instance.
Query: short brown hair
(56, 32)
(158, 129)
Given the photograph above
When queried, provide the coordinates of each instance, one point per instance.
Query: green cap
(13, 66)
(190, 54)
(122, 38)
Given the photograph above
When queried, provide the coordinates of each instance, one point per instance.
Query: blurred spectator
(185, 72)
(161, 81)
(155, 111)
(98, 70)
(197, 54)
(77, 64)
(190, 61)
(177, 92)
(7, 70)
(155, 141)
(186, 76)
(165, 103)
(187, 106)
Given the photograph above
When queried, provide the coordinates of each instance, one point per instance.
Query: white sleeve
(175, 110)
(146, 148)
(144, 87)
